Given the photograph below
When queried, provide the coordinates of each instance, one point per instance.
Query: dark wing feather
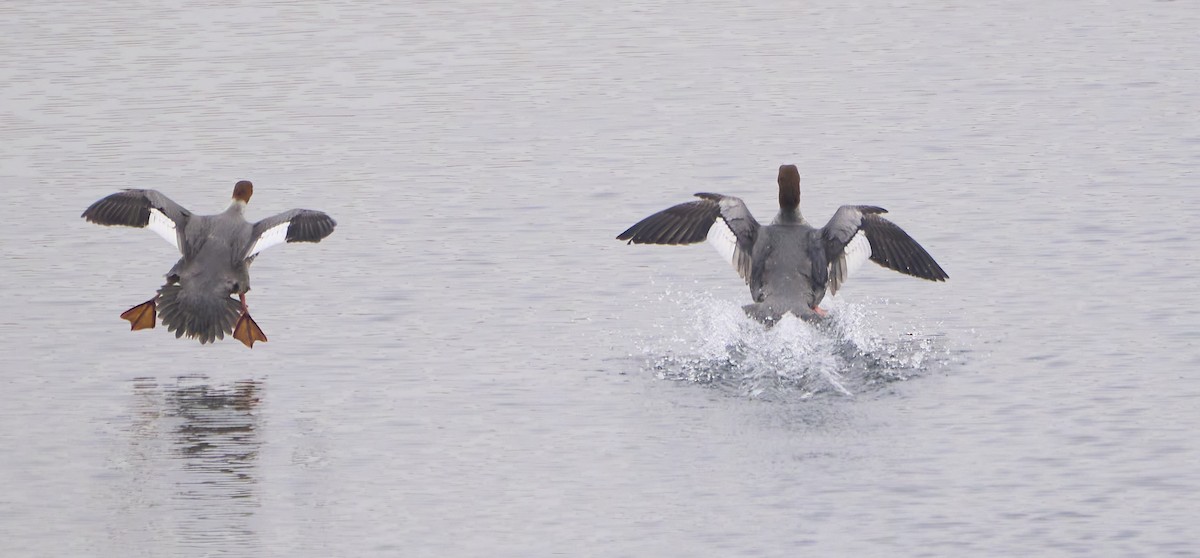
(893, 248)
(692, 222)
(140, 209)
(297, 225)
(686, 223)
(886, 244)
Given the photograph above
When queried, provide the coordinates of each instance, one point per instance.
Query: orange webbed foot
(247, 331)
(142, 316)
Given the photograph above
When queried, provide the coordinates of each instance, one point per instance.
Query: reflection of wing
(147, 209)
(297, 225)
(858, 232)
(692, 222)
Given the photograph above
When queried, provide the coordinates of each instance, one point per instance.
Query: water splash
(851, 353)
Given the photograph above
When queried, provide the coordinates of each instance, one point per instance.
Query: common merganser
(217, 252)
(789, 264)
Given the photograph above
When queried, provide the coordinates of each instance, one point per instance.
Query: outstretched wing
(692, 222)
(857, 233)
(297, 225)
(144, 209)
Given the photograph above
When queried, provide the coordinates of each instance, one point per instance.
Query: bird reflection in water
(213, 431)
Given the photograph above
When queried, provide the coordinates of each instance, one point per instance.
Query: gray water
(471, 365)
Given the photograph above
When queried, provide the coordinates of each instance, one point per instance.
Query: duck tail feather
(199, 315)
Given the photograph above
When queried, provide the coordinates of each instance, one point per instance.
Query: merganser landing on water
(789, 264)
(217, 252)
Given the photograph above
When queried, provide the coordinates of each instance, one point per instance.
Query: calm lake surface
(472, 365)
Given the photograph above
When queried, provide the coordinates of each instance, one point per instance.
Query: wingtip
(936, 275)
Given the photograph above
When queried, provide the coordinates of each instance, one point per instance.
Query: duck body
(196, 301)
(215, 256)
(782, 273)
(789, 265)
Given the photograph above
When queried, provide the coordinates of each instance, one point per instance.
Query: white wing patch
(163, 226)
(856, 253)
(273, 236)
(721, 237)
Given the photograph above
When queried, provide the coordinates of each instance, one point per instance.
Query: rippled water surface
(472, 365)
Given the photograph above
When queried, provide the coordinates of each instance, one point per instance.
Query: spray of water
(850, 353)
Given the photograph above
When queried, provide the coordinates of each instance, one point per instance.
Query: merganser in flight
(217, 251)
(789, 264)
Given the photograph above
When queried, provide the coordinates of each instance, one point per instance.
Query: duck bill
(142, 316)
(247, 331)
